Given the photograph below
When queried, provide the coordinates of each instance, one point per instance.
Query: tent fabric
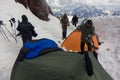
(36, 47)
(58, 65)
(73, 41)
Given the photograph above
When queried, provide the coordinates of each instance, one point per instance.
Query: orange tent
(72, 43)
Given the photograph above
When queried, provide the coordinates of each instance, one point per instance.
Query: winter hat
(90, 22)
(24, 18)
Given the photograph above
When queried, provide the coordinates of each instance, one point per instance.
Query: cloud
(88, 2)
(97, 2)
(114, 2)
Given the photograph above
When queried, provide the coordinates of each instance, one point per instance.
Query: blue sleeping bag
(36, 47)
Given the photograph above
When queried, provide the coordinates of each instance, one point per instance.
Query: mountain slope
(108, 29)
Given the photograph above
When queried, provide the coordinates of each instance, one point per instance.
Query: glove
(18, 34)
(89, 36)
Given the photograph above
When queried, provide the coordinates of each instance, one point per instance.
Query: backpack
(26, 28)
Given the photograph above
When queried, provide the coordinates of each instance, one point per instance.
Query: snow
(108, 29)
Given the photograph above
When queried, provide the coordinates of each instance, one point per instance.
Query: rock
(38, 7)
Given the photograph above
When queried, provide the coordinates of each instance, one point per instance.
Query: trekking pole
(11, 26)
(14, 25)
(92, 46)
(15, 30)
(10, 34)
(4, 34)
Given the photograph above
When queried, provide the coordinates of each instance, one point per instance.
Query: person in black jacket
(74, 20)
(26, 29)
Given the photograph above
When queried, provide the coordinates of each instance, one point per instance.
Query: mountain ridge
(82, 9)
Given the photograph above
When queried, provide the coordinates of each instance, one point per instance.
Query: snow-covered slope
(10, 50)
(108, 28)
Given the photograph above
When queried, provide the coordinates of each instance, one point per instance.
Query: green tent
(58, 65)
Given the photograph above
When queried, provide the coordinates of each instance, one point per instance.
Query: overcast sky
(103, 2)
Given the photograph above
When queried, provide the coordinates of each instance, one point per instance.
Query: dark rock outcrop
(38, 7)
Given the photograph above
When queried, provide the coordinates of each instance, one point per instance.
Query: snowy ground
(108, 29)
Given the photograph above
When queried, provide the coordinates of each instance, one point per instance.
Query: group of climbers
(53, 61)
(26, 30)
(87, 29)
